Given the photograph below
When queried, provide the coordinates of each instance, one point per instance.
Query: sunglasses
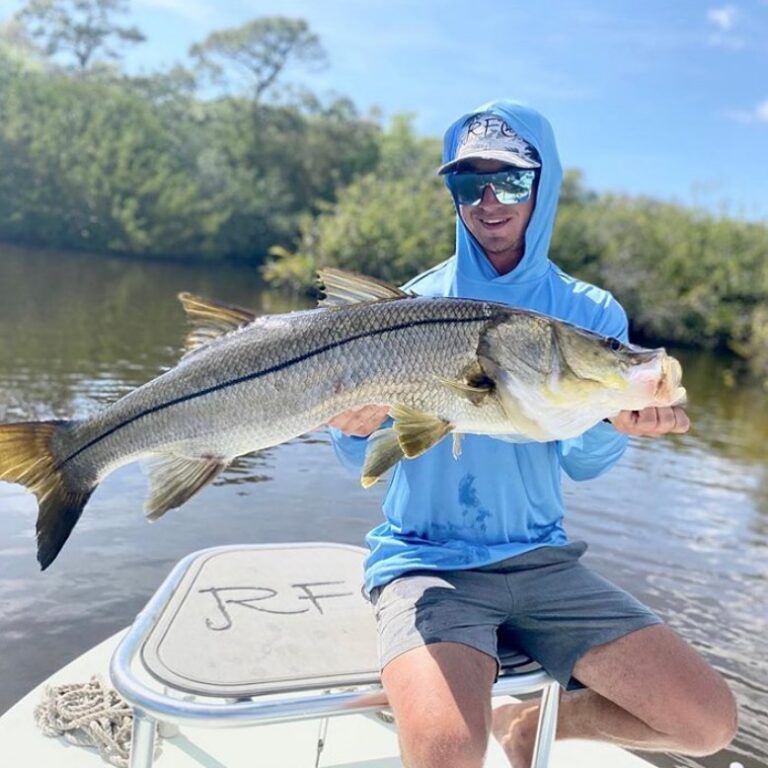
(510, 186)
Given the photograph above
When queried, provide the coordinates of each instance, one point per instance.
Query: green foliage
(257, 52)
(92, 167)
(17, 44)
(683, 276)
(389, 224)
(389, 229)
(402, 152)
(144, 167)
(80, 28)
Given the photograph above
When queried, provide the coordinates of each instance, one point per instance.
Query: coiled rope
(91, 715)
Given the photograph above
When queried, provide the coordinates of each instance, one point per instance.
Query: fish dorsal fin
(417, 431)
(342, 288)
(211, 319)
(175, 479)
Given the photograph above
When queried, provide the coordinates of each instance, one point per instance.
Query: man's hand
(360, 421)
(652, 422)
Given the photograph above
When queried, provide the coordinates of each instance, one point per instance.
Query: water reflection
(247, 469)
(681, 522)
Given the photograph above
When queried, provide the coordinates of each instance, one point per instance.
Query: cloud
(723, 18)
(758, 114)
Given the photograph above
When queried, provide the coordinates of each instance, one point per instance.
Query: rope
(90, 715)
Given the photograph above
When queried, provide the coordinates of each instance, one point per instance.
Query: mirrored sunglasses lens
(510, 196)
(514, 186)
(510, 187)
(468, 188)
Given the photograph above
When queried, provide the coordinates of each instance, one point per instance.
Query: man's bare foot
(514, 727)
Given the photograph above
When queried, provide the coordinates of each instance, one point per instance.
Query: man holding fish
(496, 341)
(473, 553)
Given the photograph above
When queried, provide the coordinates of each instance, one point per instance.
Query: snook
(443, 365)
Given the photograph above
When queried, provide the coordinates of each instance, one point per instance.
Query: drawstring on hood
(471, 264)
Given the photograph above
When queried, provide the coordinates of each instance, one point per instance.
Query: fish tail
(28, 456)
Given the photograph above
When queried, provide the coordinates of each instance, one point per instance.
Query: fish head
(556, 380)
(627, 375)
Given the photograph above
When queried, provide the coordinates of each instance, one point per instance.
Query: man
(473, 551)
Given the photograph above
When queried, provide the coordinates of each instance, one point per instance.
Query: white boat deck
(354, 741)
(231, 632)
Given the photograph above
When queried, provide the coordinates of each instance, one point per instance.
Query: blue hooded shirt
(499, 498)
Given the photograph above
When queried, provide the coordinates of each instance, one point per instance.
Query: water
(681, 522)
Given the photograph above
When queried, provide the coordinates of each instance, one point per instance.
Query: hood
(471, 262)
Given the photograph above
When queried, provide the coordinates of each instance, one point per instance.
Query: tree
(258, 51)
(391, 222)
(82, 28)
(16, 43)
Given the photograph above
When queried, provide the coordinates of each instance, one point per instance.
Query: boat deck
(244, 653)
(354, 741)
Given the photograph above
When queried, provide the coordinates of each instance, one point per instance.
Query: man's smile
(493, 223)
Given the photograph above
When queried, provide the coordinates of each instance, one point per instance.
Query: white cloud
(761, 111)
(758, 114)
(723, 18)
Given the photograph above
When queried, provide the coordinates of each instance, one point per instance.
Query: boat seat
(241, 635)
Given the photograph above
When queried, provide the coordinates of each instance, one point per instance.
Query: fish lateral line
(265, 372)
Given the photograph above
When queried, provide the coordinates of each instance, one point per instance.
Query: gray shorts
(543, 603)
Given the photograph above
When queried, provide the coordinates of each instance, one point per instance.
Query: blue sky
(668, 99)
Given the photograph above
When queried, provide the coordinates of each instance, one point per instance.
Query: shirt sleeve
(592, 453)
(600, 447)
(350, 450)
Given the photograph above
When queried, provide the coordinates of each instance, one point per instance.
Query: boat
(260, 654)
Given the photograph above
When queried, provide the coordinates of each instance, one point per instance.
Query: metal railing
(152, 706)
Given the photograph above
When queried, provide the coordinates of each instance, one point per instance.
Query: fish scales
(286, 375)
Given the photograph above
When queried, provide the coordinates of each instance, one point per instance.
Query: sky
(659, 98)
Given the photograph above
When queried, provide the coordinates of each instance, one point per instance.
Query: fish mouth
(659, 377)
(669, 390)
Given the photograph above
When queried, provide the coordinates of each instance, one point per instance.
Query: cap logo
(491, 132)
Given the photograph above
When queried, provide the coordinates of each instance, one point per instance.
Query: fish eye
(615, 344)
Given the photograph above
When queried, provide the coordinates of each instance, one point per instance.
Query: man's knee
(656, 676)
(710, 726)
(720, 729)
(440, 747)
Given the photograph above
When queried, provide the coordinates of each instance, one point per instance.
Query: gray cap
(489, 137)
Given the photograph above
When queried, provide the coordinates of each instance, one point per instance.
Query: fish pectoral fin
(519, 421)
(417, 431)
(383, 453)
(175, 479)
(211, 319)
(342, 288)
(474, 391)
(456, 450)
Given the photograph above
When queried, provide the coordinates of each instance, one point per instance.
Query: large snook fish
(443, 365)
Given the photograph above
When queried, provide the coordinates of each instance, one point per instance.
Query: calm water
(682, 522)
